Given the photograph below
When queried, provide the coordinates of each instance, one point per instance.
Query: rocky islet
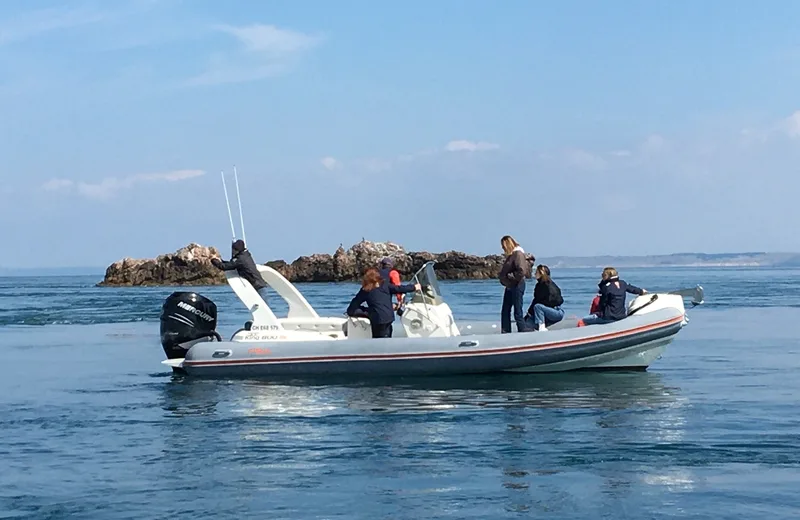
(191, 266)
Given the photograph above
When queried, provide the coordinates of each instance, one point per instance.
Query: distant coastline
(752, 259)
(697, 260)
(21, 272)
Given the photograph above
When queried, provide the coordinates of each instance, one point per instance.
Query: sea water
(93, 426)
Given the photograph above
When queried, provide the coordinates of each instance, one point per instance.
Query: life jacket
(595, 307)
(392, 276)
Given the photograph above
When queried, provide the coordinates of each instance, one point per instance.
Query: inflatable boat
(428, 341)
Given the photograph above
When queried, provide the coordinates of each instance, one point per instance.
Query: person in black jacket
(391, 275)
(512, 275)
(242, 261)
(377, 294)
(612, 299)
(545, 308)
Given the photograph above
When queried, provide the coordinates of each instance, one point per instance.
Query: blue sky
(579, 127)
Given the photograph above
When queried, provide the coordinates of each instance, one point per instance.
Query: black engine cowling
(187, 317)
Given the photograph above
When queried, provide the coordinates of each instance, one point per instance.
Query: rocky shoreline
(191, 266)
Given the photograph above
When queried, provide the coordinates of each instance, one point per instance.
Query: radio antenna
(228, 203)
(239, 198)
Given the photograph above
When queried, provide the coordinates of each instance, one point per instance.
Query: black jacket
(546, 293)
(379, 302)
(243, 263)
(612, 298)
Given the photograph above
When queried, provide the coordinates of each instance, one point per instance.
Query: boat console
(427, 314)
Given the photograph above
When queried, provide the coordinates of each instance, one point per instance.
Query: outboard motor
(187, 318)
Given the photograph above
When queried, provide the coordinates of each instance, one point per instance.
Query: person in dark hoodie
(242, 261)
(512, 275)
(377, 294)
(545, 308)
(391, 275)
(612, 299)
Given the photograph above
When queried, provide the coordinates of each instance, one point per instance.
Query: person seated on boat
(377, 294)
(391, 275)
(612, 299)
(242, 261)
(545, 309)
(512, 275)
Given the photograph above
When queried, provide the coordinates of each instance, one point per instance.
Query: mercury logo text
(197, 312)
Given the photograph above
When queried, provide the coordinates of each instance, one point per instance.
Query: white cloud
(270, 39)
(330, 163)
(470, 146)
(787, 127)
(584, 160)
(110, 186)
(41, 21)
(655, 144)
(675, 158)
(792, 125)
(176, 175)
(375, 165)
(57, 184)
(264, 51)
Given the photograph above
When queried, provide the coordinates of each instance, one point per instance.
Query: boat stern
(176, 364)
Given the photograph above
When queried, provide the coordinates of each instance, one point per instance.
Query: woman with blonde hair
(512, 275)
(377, 294)
(612, 299)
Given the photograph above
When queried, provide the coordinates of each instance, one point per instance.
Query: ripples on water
(76, 300)
(93, 427)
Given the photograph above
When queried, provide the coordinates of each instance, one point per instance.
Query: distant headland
(191, 265)
(755, 259)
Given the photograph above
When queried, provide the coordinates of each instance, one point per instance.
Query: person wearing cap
(242, 262)
(391, 275)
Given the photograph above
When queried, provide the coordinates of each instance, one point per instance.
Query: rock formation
(191, 265)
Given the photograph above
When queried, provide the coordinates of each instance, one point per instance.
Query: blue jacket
(612, 298)
(379, 302)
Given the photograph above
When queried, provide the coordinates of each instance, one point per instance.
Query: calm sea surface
(93, 426)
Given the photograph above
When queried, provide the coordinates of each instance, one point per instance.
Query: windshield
(426, 277)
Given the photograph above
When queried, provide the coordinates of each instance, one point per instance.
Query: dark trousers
(512, 297)
(381, 330)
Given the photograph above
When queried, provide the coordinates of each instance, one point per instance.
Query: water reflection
(528, 434)
(314, 398)
(608, 391)
(183, 397)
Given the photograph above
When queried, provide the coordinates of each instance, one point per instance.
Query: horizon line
(99, 268)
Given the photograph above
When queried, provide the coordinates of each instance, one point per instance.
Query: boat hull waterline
(579, 348)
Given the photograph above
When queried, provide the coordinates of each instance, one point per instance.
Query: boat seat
(357, 328)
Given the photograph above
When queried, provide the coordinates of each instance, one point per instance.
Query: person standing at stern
(512, 276)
